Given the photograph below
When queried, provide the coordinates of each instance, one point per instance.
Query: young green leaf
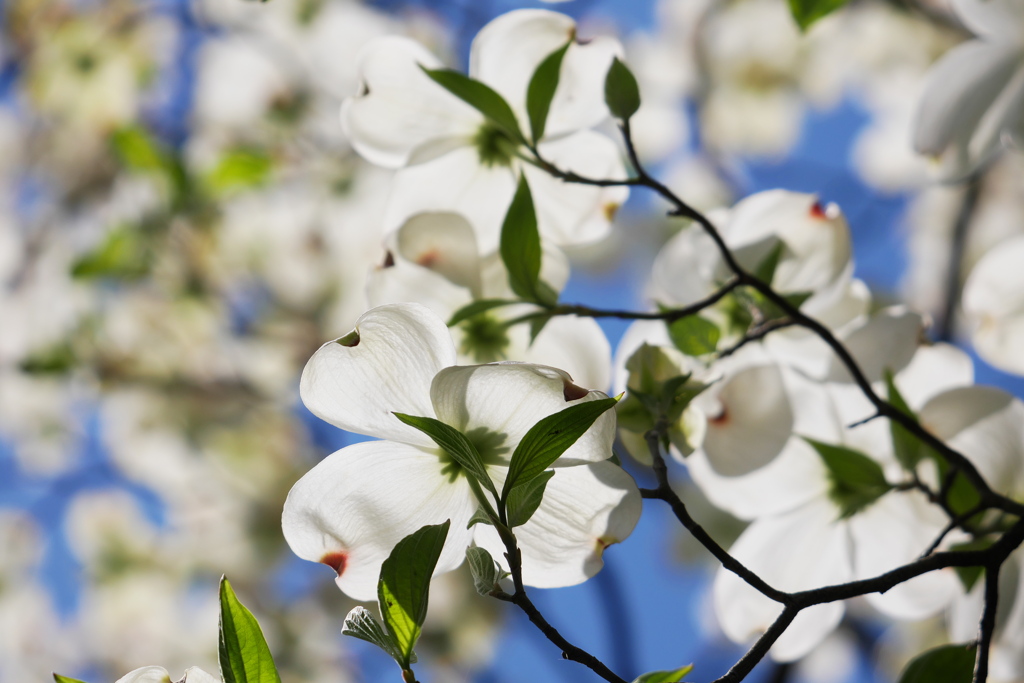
(244, 654)
(524, 499)
(694, 335)
(520, 244)
(946, 664)
(480, 96)
(455, 444)
(765, 271)
(360, 624)
(486, 572)
(65, 679)
(909, 449)
(665, 676)
(404, 586)
(806, 12)
(137, 150)
(125, 254)
(549, 438)
(856, 480)
(621, 93)
(240, 169)
(475, 308)
(541, 91)
(480, 517)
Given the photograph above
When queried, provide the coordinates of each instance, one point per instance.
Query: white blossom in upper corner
(993, 302)
(452, 159)
(974, 96)
(433, 260)
(350, 510)
(158, 674)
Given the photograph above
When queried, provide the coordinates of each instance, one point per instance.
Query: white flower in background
(158, 674)
(974, 96)
(811, 542)
(434, 261)
(454, 160)
(993, 301)
(349, 511)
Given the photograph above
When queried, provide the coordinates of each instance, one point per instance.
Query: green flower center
(494, 146)
(484, 338)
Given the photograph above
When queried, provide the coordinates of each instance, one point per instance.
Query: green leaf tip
(806, 12)
(65, 679)
(541, 91)
(856, 481)
(621, 92)
(243, 654)
(946, 664)
(404, 587)
(665, 676)
(480, 96)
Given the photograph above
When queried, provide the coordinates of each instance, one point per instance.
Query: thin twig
(988, 623)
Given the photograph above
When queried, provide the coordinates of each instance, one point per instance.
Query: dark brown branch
(988, 623)
(759, 649)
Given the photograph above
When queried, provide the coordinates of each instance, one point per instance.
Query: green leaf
(486, 572)
(480, 96)
(137, 150)
(244, 655)
(537, 326)
(970, 575)
(480, 517)
(909, 449)
(946, 664)
(455, 444)
(856, 480)
(360, 624)
(549, 438)
(404, 586)
(665, 676)
(125, 254)
(520, 244)
(694, 335)
(524, 499)
(621, 93)
(65, 679)
(475, 308)
(54, 360)
(765, 271)
(541, 91)
(240, 169)
(806, 12)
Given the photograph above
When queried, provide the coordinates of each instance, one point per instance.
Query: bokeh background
(182, 223)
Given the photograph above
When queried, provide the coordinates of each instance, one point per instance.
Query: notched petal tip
(336, 561)
(572, 392)
(351, 339)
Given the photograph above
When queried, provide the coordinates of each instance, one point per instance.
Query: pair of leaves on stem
(243, 652)
(524, 484)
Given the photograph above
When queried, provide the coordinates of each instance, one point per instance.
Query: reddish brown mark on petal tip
(818, 211)
(389, 260)
(571, 392)
(428, 258)
(721, 419)
(335, 561)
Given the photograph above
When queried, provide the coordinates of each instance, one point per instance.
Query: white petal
(578, 346)
(406, 282)
(1008, 656)
(933, 370)
(399, 108)
(585, 509)
(571, 213)
(985, 424)
(793, 478)
(960, 87)
(997, 18)
(650, 332)
(816, 237)
(508, 50)
(496, 404)
(444, 243)
(350, 510)
(749, 420)
(894, 531)
(887, 341)
(196, 675)
(455, 182)
(686, 269)
(993, 300)
(800, 550)
(147, 674)
(554, 271)
(386, 365)
(1004, 114)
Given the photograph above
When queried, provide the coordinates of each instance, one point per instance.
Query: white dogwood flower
(993, 301)
(453, 159)
(433, 260)
(350, 510)
(158, 674)
(974, 95)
